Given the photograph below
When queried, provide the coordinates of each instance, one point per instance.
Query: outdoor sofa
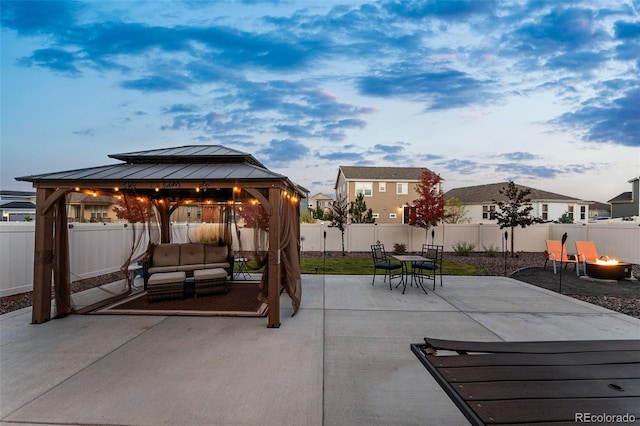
(170, 262)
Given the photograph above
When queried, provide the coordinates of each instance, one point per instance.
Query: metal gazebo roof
(169, 167)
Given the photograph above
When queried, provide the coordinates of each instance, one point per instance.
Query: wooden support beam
(61, 269)
(165, 215)
(274, 258)
(42, 259)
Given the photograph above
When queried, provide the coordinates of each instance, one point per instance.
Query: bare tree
(340, 211)
(455, 211)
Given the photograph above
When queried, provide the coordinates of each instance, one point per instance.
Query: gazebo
(168, 177)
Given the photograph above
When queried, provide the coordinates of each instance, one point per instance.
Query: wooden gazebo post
(51, 255)
(275, 202)
(43, 258)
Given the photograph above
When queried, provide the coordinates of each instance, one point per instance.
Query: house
(388, 191)
(17, 206)
(324, 201)
(599, 210)
(548, 206)
(83, 207)
(627, 203)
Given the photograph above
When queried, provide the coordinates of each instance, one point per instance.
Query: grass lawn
(364, 266)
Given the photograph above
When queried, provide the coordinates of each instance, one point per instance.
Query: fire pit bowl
(615, 271)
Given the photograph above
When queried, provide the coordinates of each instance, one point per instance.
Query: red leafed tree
(254, 215)
(132, 210)
(427, 210)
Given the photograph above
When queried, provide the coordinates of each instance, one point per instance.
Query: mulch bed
(620, 296)
(240, 300)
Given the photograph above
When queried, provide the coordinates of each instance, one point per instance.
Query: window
(489, 212)
(402, 188)
(392, 215)
(545, 212)
(376, 216)
(570, 212)
(382, 186)
(583, 212)
(188, 211)
(98, 212)
(365, 188)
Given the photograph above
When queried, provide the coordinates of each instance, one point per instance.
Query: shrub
(205, 233)
(491, 250)
(399, 248)
(462, 248)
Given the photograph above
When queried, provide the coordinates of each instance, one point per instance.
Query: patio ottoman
(209, 281)
(165, 285)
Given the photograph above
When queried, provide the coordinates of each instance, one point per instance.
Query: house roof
(596, 205)
(625, 197)
(488, 193)
(80, 198)
(17, 205)
(321, 196)
(21, 194)
(382, 173)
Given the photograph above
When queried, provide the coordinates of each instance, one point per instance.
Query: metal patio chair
(382, 262)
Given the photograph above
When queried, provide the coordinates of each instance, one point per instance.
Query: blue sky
(546, 93)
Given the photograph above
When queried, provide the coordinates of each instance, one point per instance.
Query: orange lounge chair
(556, 253)
(586, 252)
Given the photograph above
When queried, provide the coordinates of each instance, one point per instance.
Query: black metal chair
(381, 261)
(431, 268)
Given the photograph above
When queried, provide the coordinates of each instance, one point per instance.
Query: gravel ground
(622, 296)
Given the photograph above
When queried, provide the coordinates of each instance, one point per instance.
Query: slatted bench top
(529, 382)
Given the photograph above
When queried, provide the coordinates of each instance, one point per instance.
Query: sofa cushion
(191, 254)
(223, 265)
(215, 254)
(166, 255)
(156, 269)
(192, 267)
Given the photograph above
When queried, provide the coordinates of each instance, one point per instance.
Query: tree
(306, 217)
(565, 218)
(455, 211)
(318, 213)
(132, 210)
(359, 212)
(340, 215)
(515, 210)
(254, 215)
(427, 210)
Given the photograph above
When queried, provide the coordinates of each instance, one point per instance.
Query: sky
(544, 93)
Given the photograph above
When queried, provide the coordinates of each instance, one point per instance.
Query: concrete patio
(344, 359)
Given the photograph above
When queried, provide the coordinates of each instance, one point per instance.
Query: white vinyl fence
(101, 248)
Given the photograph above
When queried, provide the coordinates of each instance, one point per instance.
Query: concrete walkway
(344, 359)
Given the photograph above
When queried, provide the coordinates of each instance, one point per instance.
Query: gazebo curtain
(289, 256)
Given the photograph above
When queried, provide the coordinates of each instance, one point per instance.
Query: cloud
(525, 170)
(519, 156)
(441, 89)
(283, 151)
(616, 122)
(560, 30)
(179, 109)
(38, 18)
(85, 132)
(58, 60)
(453, 10)
(463, 167)
(351, 157)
